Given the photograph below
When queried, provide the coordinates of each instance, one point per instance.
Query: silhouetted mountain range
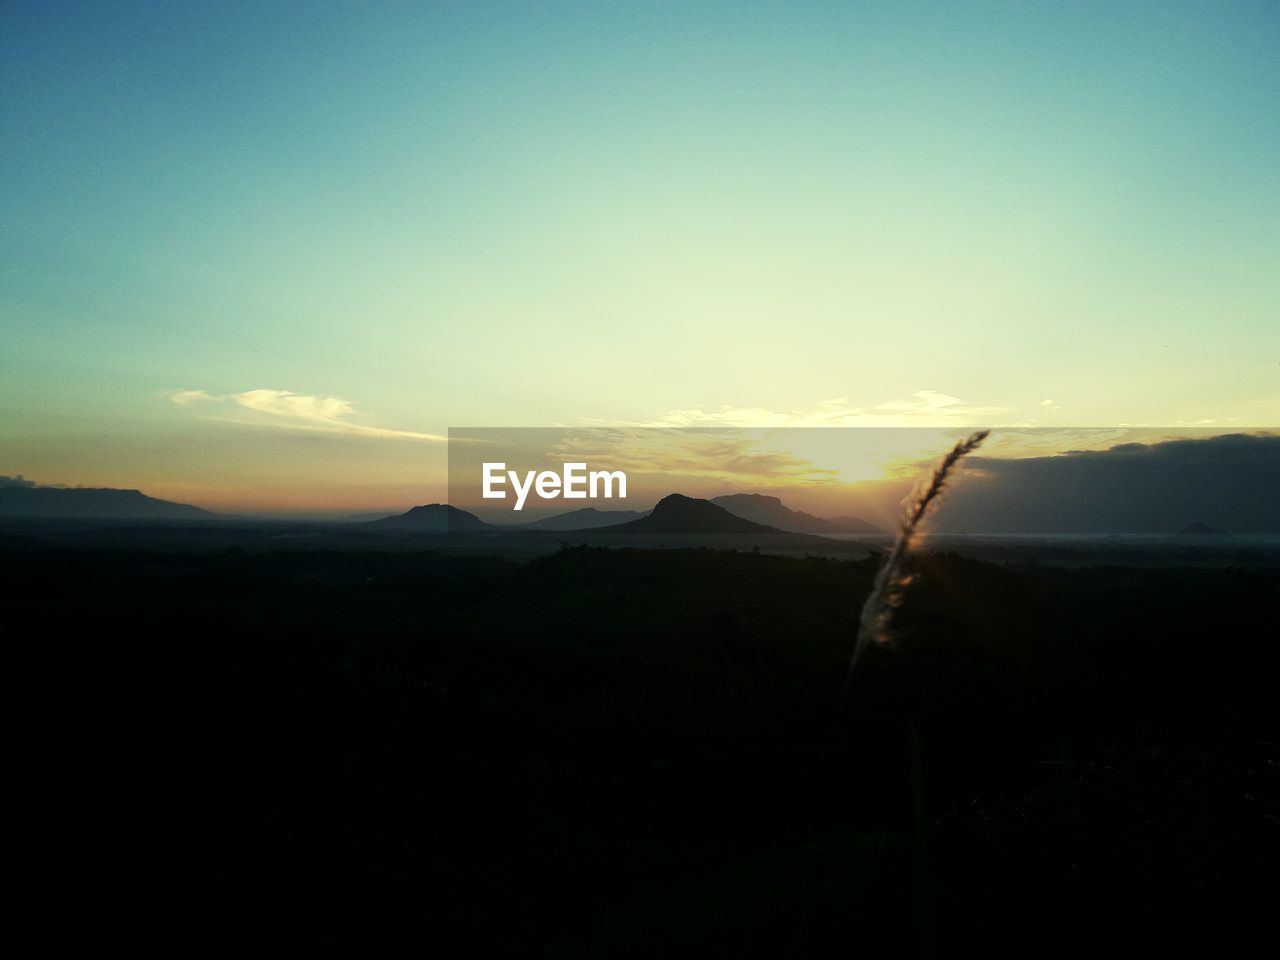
(677, 513)
(588, 518)
(433, 518)
(770, 511)
(674, 514)
(91, 503)
(856, 525)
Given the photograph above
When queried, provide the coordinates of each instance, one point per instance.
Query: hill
(92, 503)
(588, 518)
(680, 514)
(856, 525)
(433, 518)
(770, 511)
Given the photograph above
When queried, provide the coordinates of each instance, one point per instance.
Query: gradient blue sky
(339, 229)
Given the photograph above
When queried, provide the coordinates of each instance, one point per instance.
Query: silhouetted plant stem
(892, 578)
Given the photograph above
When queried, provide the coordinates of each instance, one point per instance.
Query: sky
(261, 257)
(1097, 480)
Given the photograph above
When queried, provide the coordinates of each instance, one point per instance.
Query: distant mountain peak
(91, 503)
(759, 498)
(676, 514)
(585, 518)
(857, 525)
(433, 518)
(768, 510)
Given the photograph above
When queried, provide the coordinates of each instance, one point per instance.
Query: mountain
(92, 503)
(855, 525)
(770, 511)
(1198, 529)
(680, 514)
(588, 518)
(433, 518)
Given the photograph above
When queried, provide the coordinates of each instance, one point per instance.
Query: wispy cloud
(184, 397)
(931, 408)
(285, 409)
(925, 408)
(1205, 422)
(726, 454)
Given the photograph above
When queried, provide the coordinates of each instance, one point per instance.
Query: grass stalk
(892, 578)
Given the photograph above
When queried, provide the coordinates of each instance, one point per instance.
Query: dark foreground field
(611, 752)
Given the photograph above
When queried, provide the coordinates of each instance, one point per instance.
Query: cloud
(1227, 481)
(184, 397)
(295, 406)
(1203, 422)
(935, 406)
(266, 407)
(725, 454)
(925, 408)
